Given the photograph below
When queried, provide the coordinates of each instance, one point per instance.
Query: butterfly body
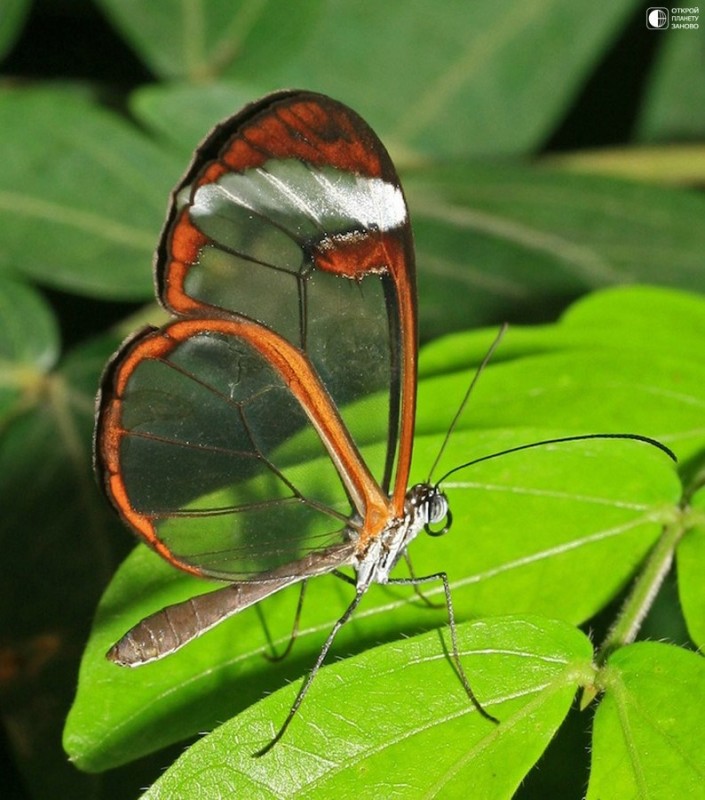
(175, 626)
(425, 505)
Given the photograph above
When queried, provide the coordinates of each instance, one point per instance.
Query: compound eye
(447, 521)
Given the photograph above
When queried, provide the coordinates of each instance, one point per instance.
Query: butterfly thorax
(424, 505)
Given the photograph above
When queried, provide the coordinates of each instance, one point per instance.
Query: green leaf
(673, 108)
(616, 320)
(456, 80)
(343, 48)
(559, 527)
(511, 240)
(647, 733)
(182, 114)
(691, 558)
(29, 343)
(198, 41)
(528, 670)
(623, 318)
(553, 530)
(83, 198)
(611, 365)
(12, 17)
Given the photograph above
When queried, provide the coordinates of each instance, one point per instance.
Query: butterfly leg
(274, 656)
(415, 585)
(344, 577)
(303, 691)
(455, 654)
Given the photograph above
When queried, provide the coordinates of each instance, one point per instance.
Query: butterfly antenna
(558, 440)
(461, 408)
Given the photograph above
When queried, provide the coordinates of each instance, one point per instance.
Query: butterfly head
(430, 506)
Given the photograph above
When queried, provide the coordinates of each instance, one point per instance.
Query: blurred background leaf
(92, 184)
(673, 108)
(12, 18)
(201, 41)
(500, 121)
(462, 60)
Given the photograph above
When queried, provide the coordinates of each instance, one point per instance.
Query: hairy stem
(644, 591)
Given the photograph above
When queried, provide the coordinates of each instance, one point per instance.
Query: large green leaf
(357, 727)
(553, 530)
(461, 78)
(647, 735)
(561, 535)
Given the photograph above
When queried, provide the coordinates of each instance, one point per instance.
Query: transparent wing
(199, 435)
(292, 215)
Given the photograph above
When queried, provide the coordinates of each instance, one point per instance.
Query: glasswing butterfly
(287, 261)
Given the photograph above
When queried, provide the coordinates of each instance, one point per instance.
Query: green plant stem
(643, 593)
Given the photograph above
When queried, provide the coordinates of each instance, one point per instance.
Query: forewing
(292, 215)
